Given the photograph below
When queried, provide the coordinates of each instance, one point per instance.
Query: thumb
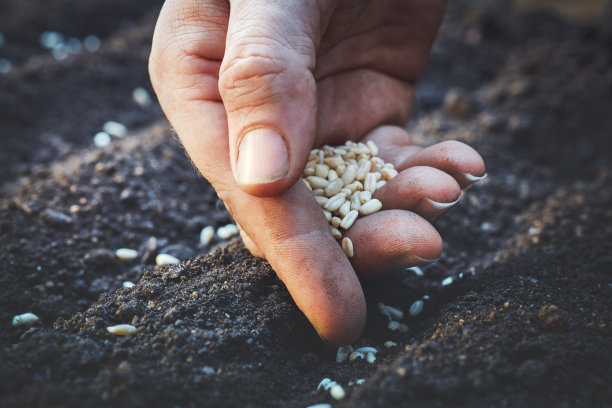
(269, 91)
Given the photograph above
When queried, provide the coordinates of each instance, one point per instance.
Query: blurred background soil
(525, 322)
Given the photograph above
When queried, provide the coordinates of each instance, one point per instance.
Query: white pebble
(337, 392)
(447, 281)
(128, 284)
(141, 97)
(227, 231)
(416, 308)
(122, 329)
(166, 259)
(115, 128)
(126, 254)
(25, 318)
(206, 235)
(343, 353)
(389, 344)
(417, 270)
(5, 66)
(371, 358)
(102, 139)
(92, 43)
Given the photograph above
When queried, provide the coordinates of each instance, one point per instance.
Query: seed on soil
(114, 128)
(416, 308)
(389, 344)
(337, 392)
(126, 254)
(347, 247)
(322, 405)
(25, 318)
(323, 385)
(397, 326)
(343, 179)
(122, 329)
(92, 43)
(141, 97)
(367, 350)
(447, 281)
(128, 284)
(343, 353)
(355, 355)
(417, 270)
(371, 358)
(360, 381)
(206, 235)
(102, 139)
(166, 259)
(390, 311)
(227, 231)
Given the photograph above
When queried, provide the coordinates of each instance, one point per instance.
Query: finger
(269, 91)
(426, 191)
(392, 239)
(293, 235)
(453, 157)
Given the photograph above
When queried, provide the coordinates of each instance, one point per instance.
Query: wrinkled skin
(252, 86)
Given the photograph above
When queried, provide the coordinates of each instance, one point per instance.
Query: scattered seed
(355, 355)
(166, 259)
(343, 353)
(389, 344)
(447, 281)
(122, 329)
(360, 381)
(337, 392)
(416, 308)
(371, 358)
(128, 284)
(206, 235)
(102, 139)
(228, 231)
(92, 43)
(23, 319)
(426, 297)
(126, 254)
(390, 311)
(347, 247)
(115, 128)
(141, 97)
(323, 385)
(417, 270)
(335, 232)
(349, 219)
(322, 405)
(397, 326)
(367, 350)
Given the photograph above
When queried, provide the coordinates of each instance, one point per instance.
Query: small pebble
(92, 43)
(102, 139)
(128, 284)
(416, 308)
(122, 329)
(5, 66)
(447, 281)
(141, 97)
(166, 259)
(227, 231)
(206, 235)
(389, 344)
(126, 254)
(115, 128)
(25, 318)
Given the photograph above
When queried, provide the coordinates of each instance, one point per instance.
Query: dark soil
(526, 322)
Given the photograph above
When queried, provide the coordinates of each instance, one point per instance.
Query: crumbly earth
(526, 322)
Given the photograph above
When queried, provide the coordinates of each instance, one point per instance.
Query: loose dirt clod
(343, 180)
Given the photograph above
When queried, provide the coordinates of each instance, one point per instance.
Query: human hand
(251, 88)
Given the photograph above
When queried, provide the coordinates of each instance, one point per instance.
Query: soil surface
(526, 320)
